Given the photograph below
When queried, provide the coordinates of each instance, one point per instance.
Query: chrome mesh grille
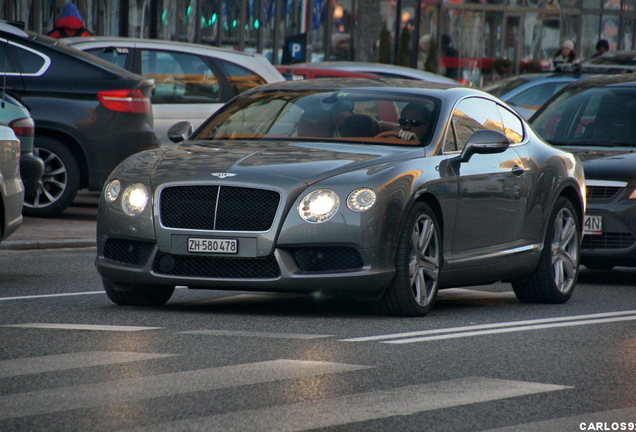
(220, 208)
(601, 192)
(608, 241)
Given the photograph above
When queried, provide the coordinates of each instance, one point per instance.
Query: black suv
(89, 114)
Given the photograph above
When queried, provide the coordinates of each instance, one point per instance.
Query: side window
(512, 125)
(240, 78)
(537, 95)
(114, 55)
(471, 115)
(180, 78)
(24, 60)
(6, 63)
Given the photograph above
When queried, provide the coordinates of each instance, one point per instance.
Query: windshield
(350, 116)
(502, 87)
(597, 116)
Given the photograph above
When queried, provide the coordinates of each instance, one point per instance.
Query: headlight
(111, 192)
(134, 199)
(361, 200)
(319, 206)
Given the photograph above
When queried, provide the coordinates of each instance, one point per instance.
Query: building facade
(485, 33)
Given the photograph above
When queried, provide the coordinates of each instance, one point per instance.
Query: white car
(382, 69)
(192, 80)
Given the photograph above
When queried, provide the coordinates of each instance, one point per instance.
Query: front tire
(60, 181)
(137, 294)
(417, 264)
(554, 278)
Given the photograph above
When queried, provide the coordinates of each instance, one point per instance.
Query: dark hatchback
(89, 114)
(595, 118)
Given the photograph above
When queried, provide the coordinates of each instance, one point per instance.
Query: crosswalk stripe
(512, 324)
(81, 327)
(59, 362)
(613, 420)
(360, 407)
(256, 334)
(142, 388)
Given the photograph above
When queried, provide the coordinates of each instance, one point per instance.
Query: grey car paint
(495, 205)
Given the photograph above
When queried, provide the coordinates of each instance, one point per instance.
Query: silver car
(379, 189)
(11, 188)
(192, 80)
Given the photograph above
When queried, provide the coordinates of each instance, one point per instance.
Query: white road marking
(143, 388)
(360, 407)
(81, 327)
(30, 297)
(514, 325)
(256, 334)
(613, 420)
(58, 362)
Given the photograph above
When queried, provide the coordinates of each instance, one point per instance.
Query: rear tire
(60, 181)
(417, 264)
(554, 278)
(137, 294)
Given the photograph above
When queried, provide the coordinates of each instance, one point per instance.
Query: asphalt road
(70, 360)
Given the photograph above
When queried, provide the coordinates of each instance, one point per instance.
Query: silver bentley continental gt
(382, 190)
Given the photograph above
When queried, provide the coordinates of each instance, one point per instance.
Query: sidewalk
(75, 227)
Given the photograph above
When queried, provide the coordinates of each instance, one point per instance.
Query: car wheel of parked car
(554, 279)
(59, 183)
(137, 294)
(417, 264)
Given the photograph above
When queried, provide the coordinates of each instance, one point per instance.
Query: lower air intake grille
(608, 241)
(327, 259)
(127, 251)
(216, 267)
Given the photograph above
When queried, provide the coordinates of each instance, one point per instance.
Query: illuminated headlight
(361, 200)
(134, 199)
(319, 206)
(112, 190)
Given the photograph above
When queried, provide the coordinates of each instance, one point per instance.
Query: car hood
(601, 163)
(271, 162)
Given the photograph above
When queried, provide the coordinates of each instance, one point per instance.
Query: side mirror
(484, 141)
(180, 131)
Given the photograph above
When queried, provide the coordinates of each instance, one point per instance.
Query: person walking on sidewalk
(70, 23)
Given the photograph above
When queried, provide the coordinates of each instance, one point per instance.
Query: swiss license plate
(212, 245)
(593, 225)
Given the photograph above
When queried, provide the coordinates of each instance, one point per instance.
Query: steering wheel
(388, 134)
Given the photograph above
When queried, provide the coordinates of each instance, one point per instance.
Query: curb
(47, 244)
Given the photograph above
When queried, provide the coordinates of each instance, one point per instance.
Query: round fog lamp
(319, 206)
(134, 199)
(361, 200)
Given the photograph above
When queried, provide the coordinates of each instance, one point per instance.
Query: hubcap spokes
(54, 181)
(424, 260)
(565, 251)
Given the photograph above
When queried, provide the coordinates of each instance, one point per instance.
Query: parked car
(619, 61)
(16, 116)
(11, 188)
(192, 80)
(306, 186)
(293, 72)
(89, 114)
(384, 70)
(527, 92)
(595, 119)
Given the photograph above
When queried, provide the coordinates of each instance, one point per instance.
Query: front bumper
(338, 269)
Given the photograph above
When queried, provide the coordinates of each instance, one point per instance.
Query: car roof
(155, 43)
(625, 79)
(379, 68)
(6, 26)
(372, 84)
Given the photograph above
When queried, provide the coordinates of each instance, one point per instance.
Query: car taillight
(130, 100)
(23, 127)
